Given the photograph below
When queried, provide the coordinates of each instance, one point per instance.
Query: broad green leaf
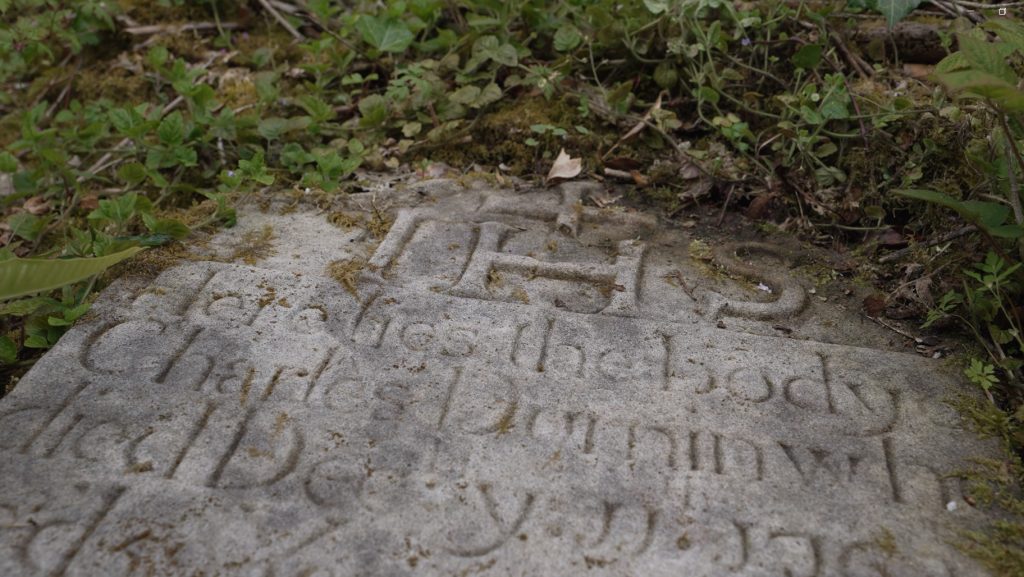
(1009, 31)
(465, 95)
(19, 277)
(978, 84)
(132, 173)
(171, 129)
(656, 6)
(567, 38)
(26, 225)
(385, 34)
(952, 63)
(988, 214)
(1007, 231)
(272, 128)
(25, 307)
(8, 351)
(316, 108)
(808, 57)
(709, 94)
(7, 162)
(896, 10)
(373, 110)
(490, 48)
(987, 57)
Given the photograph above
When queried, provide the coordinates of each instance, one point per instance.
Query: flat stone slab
(518, 385)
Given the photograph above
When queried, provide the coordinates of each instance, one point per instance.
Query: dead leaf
(639, 179)
(918, 71)
(89, 202)
(623, 163)
(758, 206)
(565, 167)
(892, 239)
(874, 305)
(689, 171)
(603, 199)
(37, 205)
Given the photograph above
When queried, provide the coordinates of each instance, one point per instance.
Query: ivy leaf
(896, 10)
(385, 34)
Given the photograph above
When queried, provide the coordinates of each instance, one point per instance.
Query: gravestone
(513, 383)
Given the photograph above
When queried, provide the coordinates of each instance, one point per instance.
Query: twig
(281, 20)
(179, 28)
(896, 330)
(898, 254)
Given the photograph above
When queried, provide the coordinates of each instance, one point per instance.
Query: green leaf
(490, 48)
(165, 226)
(990, 216)
(25, 307)
(709, 94)
(172, 129)
(896, 10)
(808, 57)
(987, 57)
(8, 163)
(26, 225)
(272, 128)
(385, 34)
(373, 110)
(8, 351)
(316, 108)
(656, 6)
(567, 38)
(465, 95)
(20, 277)
(132, 173)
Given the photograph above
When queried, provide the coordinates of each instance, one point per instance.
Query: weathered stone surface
(523, 386)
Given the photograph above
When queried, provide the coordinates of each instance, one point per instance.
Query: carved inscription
(239, 421)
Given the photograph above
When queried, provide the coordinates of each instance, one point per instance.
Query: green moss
(996, 484)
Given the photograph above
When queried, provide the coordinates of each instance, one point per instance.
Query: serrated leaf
(987, 57)
(132, 173)
(385, 34)
(19, 277)
(465, 95)
(172, 129)
(896, 10)
(567, 38)
(272, 128)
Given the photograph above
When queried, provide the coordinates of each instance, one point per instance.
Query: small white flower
(951, 506)
(231, 174)
(763, 287)
(307, 190)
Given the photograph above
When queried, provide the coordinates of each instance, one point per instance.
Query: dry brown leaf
(603, 199)
(89, 202)
(565, 167)
(37, 205)
(874, 305)
(640, 179)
